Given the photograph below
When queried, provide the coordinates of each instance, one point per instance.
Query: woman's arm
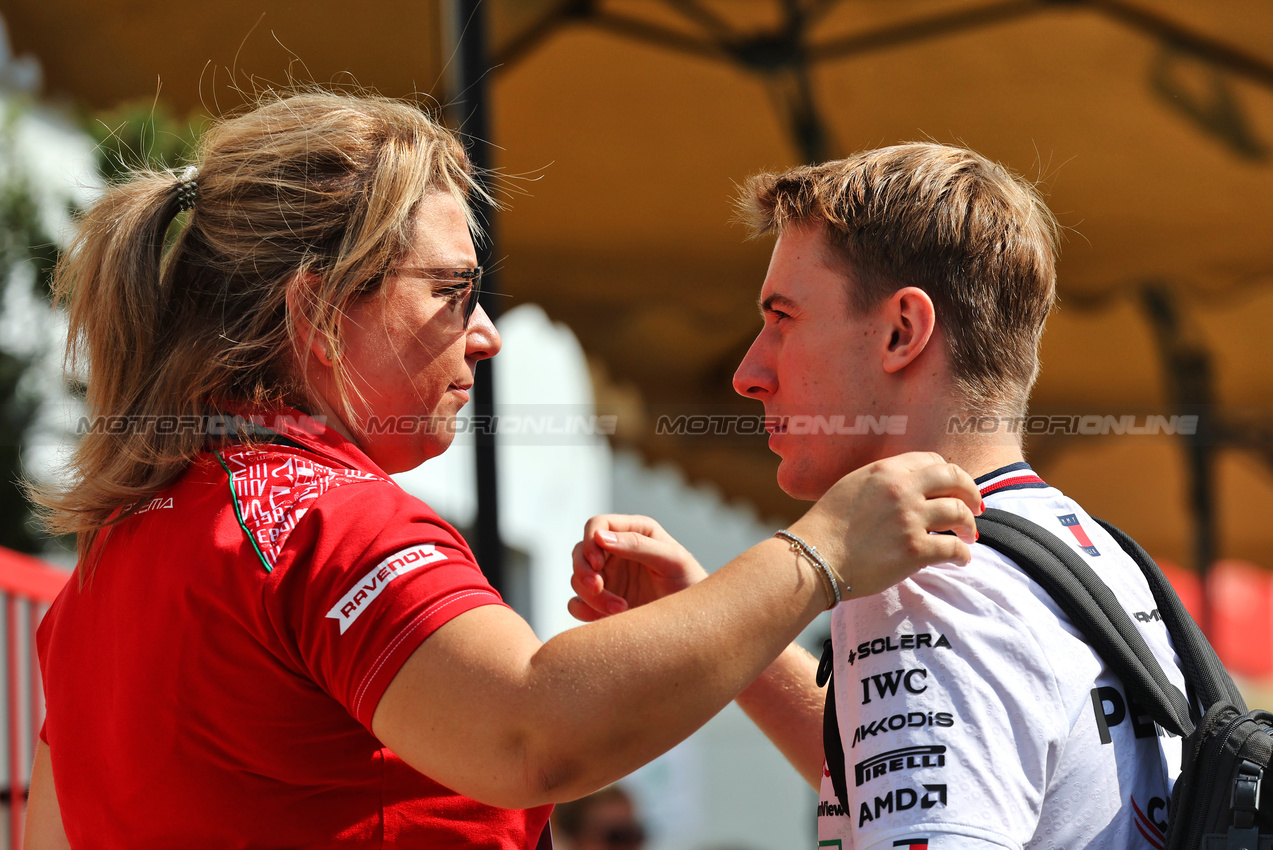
(627, 561)
(487, 710)
(44, 819)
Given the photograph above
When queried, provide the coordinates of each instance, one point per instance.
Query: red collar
(309, 432)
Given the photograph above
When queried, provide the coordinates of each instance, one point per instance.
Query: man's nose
(754, 378)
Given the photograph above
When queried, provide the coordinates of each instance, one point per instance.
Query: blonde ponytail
(312, 187)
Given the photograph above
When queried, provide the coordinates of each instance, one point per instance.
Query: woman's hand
(874, 525)
(624, 562)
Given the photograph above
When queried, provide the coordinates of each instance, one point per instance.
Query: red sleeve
(43, 634)
(366, 576)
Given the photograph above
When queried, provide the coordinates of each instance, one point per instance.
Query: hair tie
(187, 188)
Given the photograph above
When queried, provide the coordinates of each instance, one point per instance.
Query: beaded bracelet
(810, 553)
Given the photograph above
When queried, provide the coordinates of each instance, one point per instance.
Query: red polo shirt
(213, 684)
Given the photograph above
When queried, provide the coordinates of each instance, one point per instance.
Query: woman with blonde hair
(269, 643)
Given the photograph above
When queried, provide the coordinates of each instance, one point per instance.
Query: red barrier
(1241, 612)
(28, 585)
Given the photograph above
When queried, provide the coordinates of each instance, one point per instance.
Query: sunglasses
(460, 286)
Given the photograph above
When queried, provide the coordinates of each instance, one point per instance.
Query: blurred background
(618, 131)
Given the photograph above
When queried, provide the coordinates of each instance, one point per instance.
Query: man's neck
(978, 454)
(937, 420)
(979, 459)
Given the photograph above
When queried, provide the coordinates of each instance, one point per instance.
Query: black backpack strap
(1093, 608)
(1202, 668)
(832, 744)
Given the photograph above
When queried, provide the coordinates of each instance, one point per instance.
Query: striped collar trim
(1014, 476)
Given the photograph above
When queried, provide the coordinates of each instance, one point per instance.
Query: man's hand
(624, 562)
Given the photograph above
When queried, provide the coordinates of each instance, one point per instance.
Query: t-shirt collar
(309, 432)
(1014, 476)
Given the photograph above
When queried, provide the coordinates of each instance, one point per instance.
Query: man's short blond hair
(978, 239)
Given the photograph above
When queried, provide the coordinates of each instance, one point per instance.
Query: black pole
(470, 102)
(1188, 376)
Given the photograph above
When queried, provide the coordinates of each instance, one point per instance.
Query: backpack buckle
(1246, 794)
(1243, 834)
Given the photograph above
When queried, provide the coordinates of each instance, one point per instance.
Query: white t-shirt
(973, 712)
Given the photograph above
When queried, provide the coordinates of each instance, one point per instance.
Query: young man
(910, 284)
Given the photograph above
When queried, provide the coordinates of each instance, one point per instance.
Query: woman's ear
(912, 320)
(300, 294)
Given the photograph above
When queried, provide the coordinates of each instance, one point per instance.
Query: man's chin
(799, 484)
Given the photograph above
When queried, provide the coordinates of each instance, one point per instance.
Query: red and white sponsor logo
(274, 492)
(1154, 834)
(158, 503)
(362, 594)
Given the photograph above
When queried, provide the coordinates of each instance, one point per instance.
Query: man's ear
(911, 322)
(300, 294)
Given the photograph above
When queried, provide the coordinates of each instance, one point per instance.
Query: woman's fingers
(947, 514)
(590, 590)
(582, 567)
(594, 530)
(944, 549)
(940, 478)
(624, 522)
(582, 611)
(658, 556)
(624, 561)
